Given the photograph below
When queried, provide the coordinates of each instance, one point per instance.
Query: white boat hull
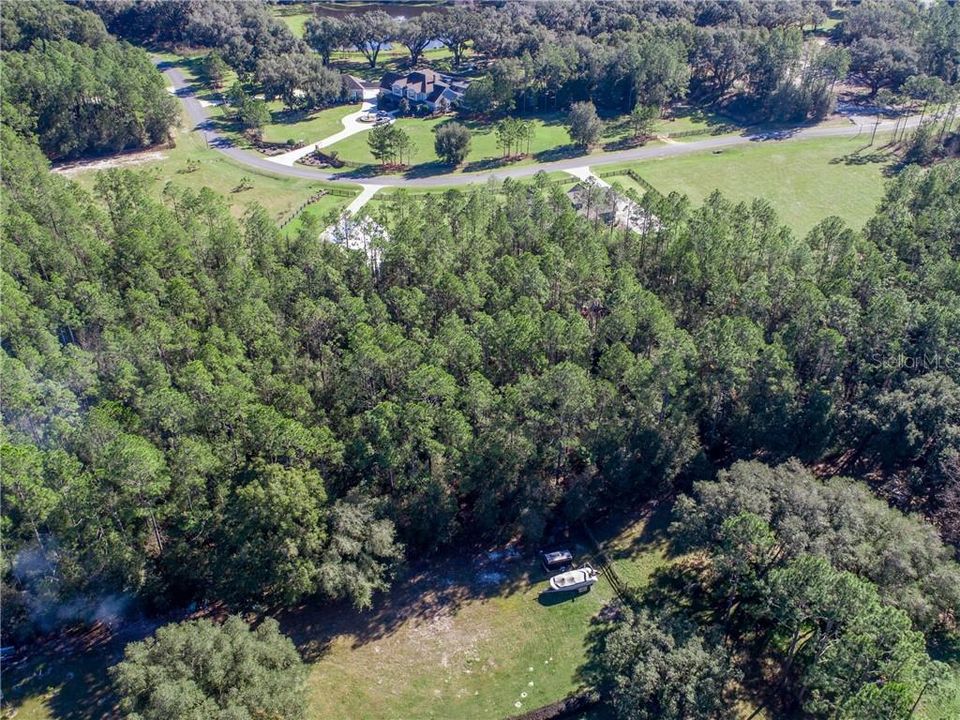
(580, 580)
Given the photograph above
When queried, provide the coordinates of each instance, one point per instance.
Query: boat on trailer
(580, 580)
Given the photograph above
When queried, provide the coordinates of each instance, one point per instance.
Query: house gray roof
(431, 84)
(352, 83)
(387, 81)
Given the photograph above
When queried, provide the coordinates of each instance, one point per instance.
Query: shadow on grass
(561, 152)
(656, 519)
(488, 164)
(418, 596)
(624, 143)
(70, 673)
(859, 157)
(714, 121)
(549, 599)
(428, 169)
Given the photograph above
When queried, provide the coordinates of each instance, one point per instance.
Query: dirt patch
(107, 163)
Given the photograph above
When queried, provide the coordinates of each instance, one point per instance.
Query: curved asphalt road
(199, 119)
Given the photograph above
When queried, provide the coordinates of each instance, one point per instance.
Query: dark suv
(556, 560)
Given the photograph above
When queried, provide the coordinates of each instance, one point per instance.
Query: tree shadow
(859, 157)
(561, 152)
(418, 597)
(429, 168)
(70, 671)
(656, 518)
(716, 122)
(625, 143)
(363, 172)
(487, 164)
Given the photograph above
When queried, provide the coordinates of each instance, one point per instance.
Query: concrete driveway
(351, 126)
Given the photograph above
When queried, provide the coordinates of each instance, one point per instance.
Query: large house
(423, 87)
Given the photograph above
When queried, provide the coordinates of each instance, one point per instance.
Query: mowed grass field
(296, 22)
(280, 196)
(805, 180)
(550, 138)
(469, 637)
(475, 639)
(305, 127)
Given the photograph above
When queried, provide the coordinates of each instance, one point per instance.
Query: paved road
(198, 118)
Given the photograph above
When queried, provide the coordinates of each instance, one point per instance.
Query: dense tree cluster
(198, 669)
(748, 56)
(823, 585)
(662, 666)
(892, 41)
(195, 406)
(245, 35)
(839, 520)
(621, 54)
(300, 81)
(70, 84)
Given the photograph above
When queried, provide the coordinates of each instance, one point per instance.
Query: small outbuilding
(352, 88)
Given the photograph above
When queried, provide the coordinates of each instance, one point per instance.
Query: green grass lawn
(467, 650)
(309, 128)
(326, 209)
(637, 551)
(286, 124)
(944, 702)
(551, 142)
(279, 195)
(389, 192)
(475, 656)
(682, 120)
(296, 22)
(805, 180)
(465, 638)
(550, 136)
(469, 637)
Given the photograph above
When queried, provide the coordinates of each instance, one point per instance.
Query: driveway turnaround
(197, 115)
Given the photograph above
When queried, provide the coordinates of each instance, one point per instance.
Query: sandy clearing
(115, 161)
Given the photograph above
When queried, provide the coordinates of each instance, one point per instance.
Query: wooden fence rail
(309, 201)
(636, 177)
(606, 567)
(336, 192)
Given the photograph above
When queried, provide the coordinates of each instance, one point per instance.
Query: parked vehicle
(557, 560)
(579, 580)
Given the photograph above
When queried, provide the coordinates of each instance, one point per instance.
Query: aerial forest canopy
(67, 81)
(200, 407)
